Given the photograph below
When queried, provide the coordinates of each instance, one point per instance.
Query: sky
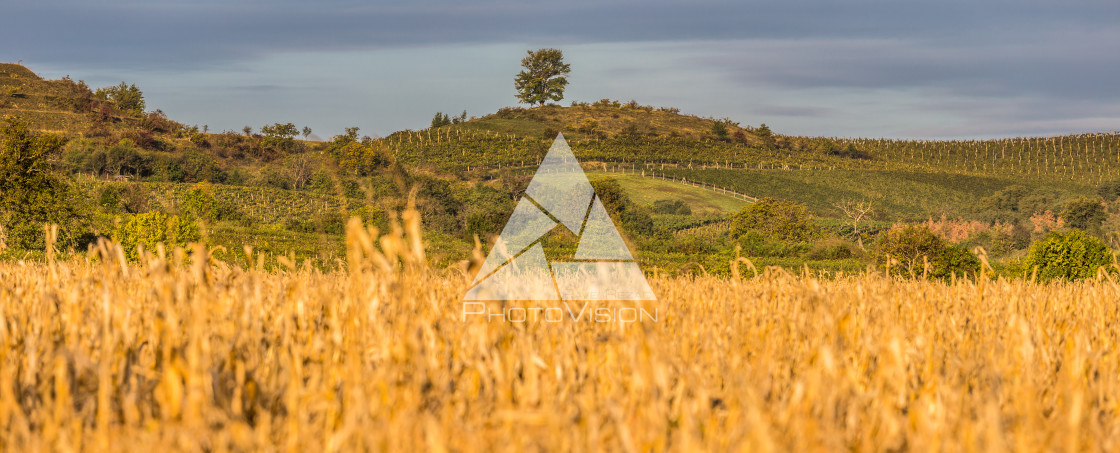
(854, 68)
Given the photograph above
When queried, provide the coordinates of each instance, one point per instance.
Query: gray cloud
(869, 67)
(159, 33)
(789, 110)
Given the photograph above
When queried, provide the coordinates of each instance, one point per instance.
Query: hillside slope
(47, 105)
(277, 193)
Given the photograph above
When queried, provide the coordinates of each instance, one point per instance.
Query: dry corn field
(170, 355)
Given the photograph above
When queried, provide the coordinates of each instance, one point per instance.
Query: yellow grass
(166, 356)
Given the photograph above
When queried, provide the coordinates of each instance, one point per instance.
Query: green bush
(915, 246)
(1072, 255)
(155, 227)
(128, 98)
(779, 219)
(671, 207)
(109, 198)
(833, 249)
(954, 260)
(757, 244)
(199, 203)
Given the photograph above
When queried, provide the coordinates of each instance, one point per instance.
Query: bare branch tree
(856, 211)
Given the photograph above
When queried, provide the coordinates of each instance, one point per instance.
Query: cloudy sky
(890, 68)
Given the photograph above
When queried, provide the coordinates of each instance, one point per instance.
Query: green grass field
(645, 191)
(902, 195)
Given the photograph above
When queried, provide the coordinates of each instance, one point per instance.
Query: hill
(279, 194)
(48, 105)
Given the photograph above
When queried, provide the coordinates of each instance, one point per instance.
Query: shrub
(915, 246)
(128, 98)
(134, 198)
(671, 207)
(780, 219)
(754, 243)
(279, 137)
(199, 203)
(155, 227)
(31, 194)
(109, 197)
(1072, 255)
(833, 249)
(954, 260)
(720, 130)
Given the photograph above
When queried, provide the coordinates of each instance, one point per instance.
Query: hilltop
(60, 106)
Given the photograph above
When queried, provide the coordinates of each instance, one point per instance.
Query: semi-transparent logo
(559, 196)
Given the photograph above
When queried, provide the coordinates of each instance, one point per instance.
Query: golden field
(172, 354)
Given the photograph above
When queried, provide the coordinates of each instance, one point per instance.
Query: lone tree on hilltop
(544, 77)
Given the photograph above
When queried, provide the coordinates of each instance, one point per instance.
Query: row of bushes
(778, 228)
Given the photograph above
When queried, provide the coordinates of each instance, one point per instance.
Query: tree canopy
(128, 98)
(30, 193)
(544, 77)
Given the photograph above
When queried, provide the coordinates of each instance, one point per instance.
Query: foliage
(544, 77)
(441, 119)
(1072, 255)
(361, 159)
(486, 209)
(1109, 190)
(758, 244)
(151, 228)
(109, 197)
(128, 98)
(279, 137)
(671, 207)
(1085, 214)
(954, 260)
(915, 247)
(779, 219)
(628, 215)
(199, 203)
(31, 195)
(720, 130)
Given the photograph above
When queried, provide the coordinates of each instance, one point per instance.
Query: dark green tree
(765, 134)
(128, 98)
(544, 77)
(720, 130)
(913, 247)
(441, 119)
(1085, 214)
(30, 194)
(280, 137)
(778, 219)
(1109, 190)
